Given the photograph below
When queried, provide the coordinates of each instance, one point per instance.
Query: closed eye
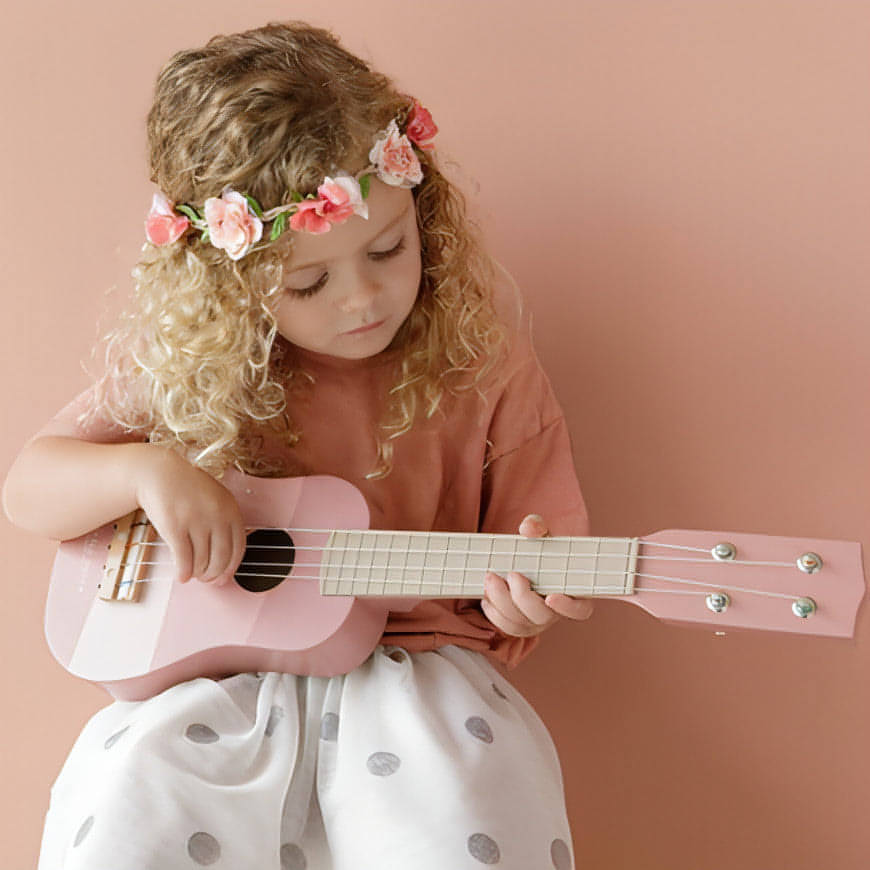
(311, 289)
(392, 252)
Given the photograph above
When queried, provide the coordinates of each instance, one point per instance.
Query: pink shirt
(482, 466)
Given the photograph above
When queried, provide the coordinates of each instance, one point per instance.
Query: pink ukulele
(310, 600)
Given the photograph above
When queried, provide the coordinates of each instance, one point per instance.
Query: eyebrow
(294, 268)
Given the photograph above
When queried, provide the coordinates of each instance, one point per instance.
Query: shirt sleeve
(530, 464)
(530, 469)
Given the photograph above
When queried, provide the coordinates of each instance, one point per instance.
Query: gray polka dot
(499, 692)
(87, 824)
(203, 848)
(484, 848)
(560, 855)
(383, 763)
(479, 728)
(200, 733)
(292, 857)
(276, 714)
(329, 726)
(115, 738)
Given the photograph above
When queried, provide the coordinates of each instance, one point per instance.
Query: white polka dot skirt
(414, 760)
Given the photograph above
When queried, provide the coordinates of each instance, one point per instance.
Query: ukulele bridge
(124, 568)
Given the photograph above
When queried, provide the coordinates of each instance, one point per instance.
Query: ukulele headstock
(734, 580)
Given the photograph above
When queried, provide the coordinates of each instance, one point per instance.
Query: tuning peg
(810, 563)
(724, 552)
(717, 601)
(803, 607)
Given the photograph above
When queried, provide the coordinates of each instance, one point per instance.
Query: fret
(327, 574)
(555, 561)
(579, 564)
(595, 562)
(347, 571)
(437, 569)
(379, 567)
(453, 544)
(403, 543)
(479, 562)
(443, 564)
(369, 542)
(412, 575)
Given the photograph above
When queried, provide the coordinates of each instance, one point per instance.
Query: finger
(508, 616)
(220, 553)
(528, 602)
(201, 541)
(498, 593)
(572, 608)
(182, 552)
(533, 526)
(503, 625)
(240, 540)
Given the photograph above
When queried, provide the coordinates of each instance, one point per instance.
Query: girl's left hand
(514, 608)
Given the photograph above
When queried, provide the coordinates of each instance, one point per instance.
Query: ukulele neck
(451, 565)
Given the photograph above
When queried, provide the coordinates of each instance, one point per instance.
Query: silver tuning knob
(717, 601)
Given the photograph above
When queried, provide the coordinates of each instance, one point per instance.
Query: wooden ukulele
(309, 599)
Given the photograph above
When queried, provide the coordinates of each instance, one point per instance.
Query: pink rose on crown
(232, 226)
(421, 128)
(395, 160)
(306, 218)
(337, 199)
(164, 225)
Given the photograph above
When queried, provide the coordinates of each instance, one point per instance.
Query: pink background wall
(682, 189)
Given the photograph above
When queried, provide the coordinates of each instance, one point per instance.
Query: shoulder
(508, 303)
(515, 319)
(87, 419)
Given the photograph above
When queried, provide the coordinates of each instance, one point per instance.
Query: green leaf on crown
(189, 212)
(255, 206)
(365, 183)
(278, 225)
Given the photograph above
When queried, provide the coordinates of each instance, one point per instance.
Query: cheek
(413, 269)
(295, 320)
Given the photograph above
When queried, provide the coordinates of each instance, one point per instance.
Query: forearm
(62, 487)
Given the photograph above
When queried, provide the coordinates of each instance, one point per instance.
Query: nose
(363, 288)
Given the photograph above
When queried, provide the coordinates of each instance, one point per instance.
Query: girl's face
(347, 291)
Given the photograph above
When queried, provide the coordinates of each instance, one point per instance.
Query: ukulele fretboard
(449, 565)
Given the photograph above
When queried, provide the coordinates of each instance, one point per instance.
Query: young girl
(312, 300)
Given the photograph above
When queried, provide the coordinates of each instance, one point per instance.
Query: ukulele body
(176, 631)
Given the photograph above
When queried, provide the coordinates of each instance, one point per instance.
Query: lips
(367, 328)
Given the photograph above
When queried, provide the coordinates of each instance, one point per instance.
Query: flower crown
(234, 222)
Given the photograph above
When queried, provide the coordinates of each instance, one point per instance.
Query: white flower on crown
(395, 160)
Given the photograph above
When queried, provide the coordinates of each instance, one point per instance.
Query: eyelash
(377, 256)
(386, 255)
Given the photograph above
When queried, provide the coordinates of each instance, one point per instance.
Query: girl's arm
(62, 486)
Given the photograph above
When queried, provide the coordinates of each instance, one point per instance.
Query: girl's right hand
(195, 514)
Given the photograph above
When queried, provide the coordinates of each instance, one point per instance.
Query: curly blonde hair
(197, 362)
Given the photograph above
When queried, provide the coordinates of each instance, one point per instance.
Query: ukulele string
(454, 551)
(439, 584)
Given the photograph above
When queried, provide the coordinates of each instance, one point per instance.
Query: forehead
(387, 206)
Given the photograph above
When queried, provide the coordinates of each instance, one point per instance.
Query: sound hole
(267, 561)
